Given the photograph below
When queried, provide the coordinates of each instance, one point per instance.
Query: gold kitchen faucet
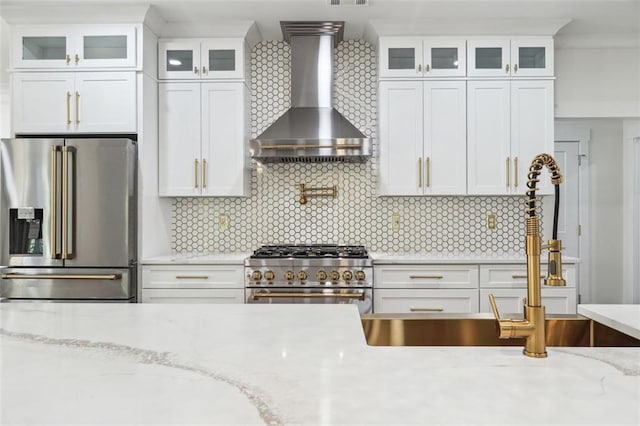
(532, 327)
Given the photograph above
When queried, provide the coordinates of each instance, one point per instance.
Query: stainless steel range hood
(311, 130)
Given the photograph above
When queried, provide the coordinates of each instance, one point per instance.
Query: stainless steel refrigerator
(68, 212)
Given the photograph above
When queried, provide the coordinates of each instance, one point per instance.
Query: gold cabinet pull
(506, 68)
(54, 202)
(192, 277)
(515, 172)
(428, 67)
(204, 173)
(515, 68)
(508, 170)
(77, 107)
(204, 70)
(419, 67)
(77, 59)
(412, 309)
(196, 173)
(515, 276)
(195, 70)
(420, 277)
(427, 171)
(68, 59)
(68, 108)
(419, 172)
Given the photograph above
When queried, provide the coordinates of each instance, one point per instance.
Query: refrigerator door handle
(55, 150)
(110, 277)
(67, 207)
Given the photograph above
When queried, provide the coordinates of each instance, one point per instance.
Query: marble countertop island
(285, 364)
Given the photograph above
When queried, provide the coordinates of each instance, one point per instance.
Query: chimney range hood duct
(311, 130)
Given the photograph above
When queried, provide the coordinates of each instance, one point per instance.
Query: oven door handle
(264, 295)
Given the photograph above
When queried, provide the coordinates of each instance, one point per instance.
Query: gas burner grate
(310, 251)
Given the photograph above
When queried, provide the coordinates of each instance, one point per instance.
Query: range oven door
(362, 297)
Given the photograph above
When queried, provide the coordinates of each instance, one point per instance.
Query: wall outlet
(395, 222)
(492, 221)
(224, 221)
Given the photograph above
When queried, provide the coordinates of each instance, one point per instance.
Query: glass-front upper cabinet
(74, 46)
(422, 57)
(517, 57)
(201, 59)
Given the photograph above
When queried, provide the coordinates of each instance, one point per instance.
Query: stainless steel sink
(480, 330)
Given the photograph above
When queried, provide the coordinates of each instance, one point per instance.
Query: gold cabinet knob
(360, 275)
(288, 275)
(321, 275)
(302, 276)
(256, 275)
(347, 275)
(335, 275)
(269, 275)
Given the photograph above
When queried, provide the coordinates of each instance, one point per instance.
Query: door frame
(631, 211)
(569, 132)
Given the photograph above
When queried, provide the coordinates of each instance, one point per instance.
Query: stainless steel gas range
(310, 274)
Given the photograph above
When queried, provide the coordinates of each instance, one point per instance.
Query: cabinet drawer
(193, 296)
(560, 300)
(440, 276)
(425, 300)
(170, 277)
(515, 276)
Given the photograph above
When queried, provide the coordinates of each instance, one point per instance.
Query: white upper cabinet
(202, 139)
(221, 58)
(422, 138)
(74, 46)
(509, 123)
(515, 57)
(74, 102)
(411, 57)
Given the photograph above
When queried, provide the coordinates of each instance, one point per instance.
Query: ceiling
(587, 17)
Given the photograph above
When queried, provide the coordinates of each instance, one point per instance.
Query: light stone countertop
(624, 318)
(198, 259)
(285, 364)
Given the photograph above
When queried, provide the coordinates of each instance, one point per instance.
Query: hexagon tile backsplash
(273, 215)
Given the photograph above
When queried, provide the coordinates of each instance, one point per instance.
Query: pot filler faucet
(532, 327)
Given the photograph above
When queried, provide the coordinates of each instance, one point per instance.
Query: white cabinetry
(74, 46)
(509, 123)
(508, 284)
(422, 288)
(422, 137)
(192, 284)
(516, 57)
(422, 57)
(201, 59)
(74, 102)
(202, 139)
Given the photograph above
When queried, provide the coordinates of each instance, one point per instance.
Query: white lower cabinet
(425, 288)
(508, 284)
(425, 300)
(193, 284)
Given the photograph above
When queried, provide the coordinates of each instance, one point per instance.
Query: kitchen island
(268, 364)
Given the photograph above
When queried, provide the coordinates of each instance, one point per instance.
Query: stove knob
(257, 275)
(335, 276)
(269, 275)
(289, 276)
(302, 276)
(360, 275)
(347, 275)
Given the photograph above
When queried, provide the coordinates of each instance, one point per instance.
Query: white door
(222, 58)
(42, 102)
(445, 57)
(401, 139)
(445, 138)
(42, 46)
(488, 57)
(401, 57)
(179, 139)
(223, 150)
(488, 137)
(112, 46)
(179, 59)
(532, 56)
(567, 155)
(531, 131)
(105, 102)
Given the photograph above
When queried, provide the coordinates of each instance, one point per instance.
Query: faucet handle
(494, 308)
